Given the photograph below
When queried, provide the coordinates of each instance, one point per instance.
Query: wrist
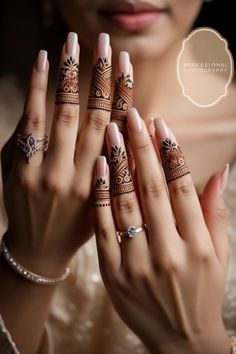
(40, 262)
(217, 342)
(209, 342)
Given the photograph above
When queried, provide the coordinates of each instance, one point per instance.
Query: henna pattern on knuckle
(122, 100)
(100, 88)
(101, 193)
(121, 176)
(68, 86)
(173, 161)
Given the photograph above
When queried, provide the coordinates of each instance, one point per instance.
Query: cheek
(183, 13)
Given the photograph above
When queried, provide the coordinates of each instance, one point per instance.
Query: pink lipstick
(132, 17)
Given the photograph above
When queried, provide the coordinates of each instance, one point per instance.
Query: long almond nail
(103, 45)
(113, 134)
(41, 62)
(101, 166)
(72, 44)
(224, 179)
(134, 120)
(124, 63)
(162, 130)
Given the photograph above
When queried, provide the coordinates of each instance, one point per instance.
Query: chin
(144, 46)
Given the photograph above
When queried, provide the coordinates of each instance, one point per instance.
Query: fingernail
(224, 179)
(101, 166)
(103, 45)
(134, 120)
(124, 63)
(72, 44)
(113, 134)
(41, 61)
(161, 129)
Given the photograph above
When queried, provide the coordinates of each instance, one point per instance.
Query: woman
(56, 196)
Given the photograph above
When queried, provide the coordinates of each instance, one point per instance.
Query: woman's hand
(167, 281)
(47, 196)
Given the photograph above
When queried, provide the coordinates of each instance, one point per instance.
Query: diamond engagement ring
(130, 232)
(30, 144)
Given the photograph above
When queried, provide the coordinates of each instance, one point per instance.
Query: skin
(172, 298)
(156, 63)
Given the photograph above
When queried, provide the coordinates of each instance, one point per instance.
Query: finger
(184, 199)
(125, 204)
(92, 134)
(61, 148)
(33, 122)
(123, 99)
(155, 201)
(123, 93)
(107, 243)
(214, 212)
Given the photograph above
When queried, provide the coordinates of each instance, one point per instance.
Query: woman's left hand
(166, 278)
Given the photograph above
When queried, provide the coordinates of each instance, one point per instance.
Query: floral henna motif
(101, 193)
(68, 87)
(173, 161)
(122, 100)
(121, 177)
(100, 89)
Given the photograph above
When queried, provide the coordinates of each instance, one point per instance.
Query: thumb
(214, 211)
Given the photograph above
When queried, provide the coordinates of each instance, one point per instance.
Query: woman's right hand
(47, 197)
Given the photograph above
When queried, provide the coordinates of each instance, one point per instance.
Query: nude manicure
(41, 62)
(224, 179)
(103, 45)
(101, 166)
(72, 44)
(134, 120)
(124, 63)
(113, 134)
(161, 129)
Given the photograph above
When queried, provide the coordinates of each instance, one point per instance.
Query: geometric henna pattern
(122, 101)
(101, 193)
(68, 85)
(121, 176)
(100, 88)
(173, 161)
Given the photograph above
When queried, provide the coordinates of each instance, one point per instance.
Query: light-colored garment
(82, 318)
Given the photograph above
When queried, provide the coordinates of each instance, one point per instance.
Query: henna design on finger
(101, 193)
(100, 88)
(173, 161)
(68, 86)
(121, 176)
(122, 101)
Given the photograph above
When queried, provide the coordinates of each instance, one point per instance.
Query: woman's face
(144, 28)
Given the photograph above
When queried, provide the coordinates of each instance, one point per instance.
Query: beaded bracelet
(27, 274)
(233, 344)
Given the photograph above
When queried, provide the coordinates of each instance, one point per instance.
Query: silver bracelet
(233, 344)
(27, 274)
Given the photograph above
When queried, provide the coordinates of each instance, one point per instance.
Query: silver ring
(30, 144)
(131, 231)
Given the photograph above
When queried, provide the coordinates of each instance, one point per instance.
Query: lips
(132, 17)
